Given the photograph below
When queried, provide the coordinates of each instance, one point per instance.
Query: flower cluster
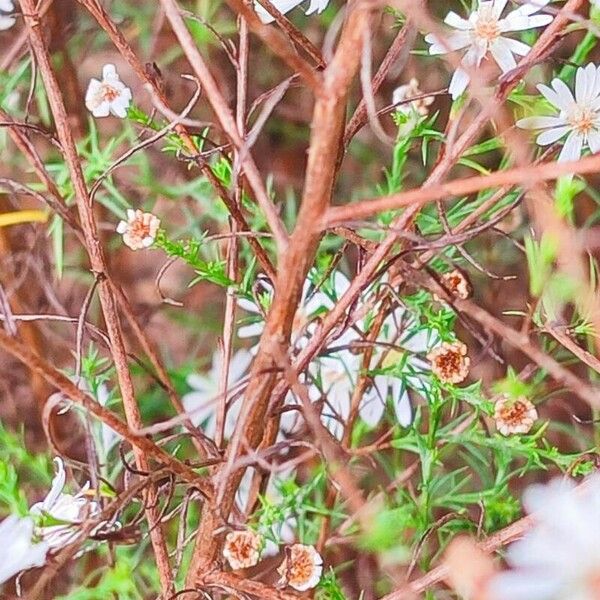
(483, 35)
(53, 524)
(301, 569)
(395, 361)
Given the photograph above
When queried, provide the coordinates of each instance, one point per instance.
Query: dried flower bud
(242, 548)
(450, 362)
(457, 284)
(302, 567)
(408, 91)
(514, 415)
(139, 231)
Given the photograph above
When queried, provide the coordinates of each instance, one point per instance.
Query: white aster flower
(559, 558)
(7, 8)
(242, 549)
(333, 378)
(284, 6)
(302, 567)
(409, 339)
(200, 402)
(67, 509)
(17, 550)
(140, 229)
(482, 35)
(109, 96)
(578, 117)
(312, 303)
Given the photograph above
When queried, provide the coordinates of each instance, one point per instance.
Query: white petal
(502, 55)
(122, 227)
(253, 330)
(552, 135)
(454, 41)
(102, 110)
(317, 6)
(572, 148)
(584, 83)
(498, 7)
(458, 84)
(517, 47)
(372, 405)
(6, 22)
(248, 306)
(594, 141)
(563, 91)
(457, 21)
(514, 22)
(238, 365)
(562, 101)
(119, 109)
(402, 407)
(540, 122)
(109, 71)
(58, 484)
(283, 6)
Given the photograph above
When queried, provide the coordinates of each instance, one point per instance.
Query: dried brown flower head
(302, 567)
(514, 415)
(242, 548)
(457, 284)
(450, 362)
(408, 91)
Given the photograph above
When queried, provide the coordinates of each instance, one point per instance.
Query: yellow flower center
(486, 27)
(108, 92)
(582, 119)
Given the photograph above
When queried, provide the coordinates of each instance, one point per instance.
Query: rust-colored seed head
(514, 415)
(450, 362)
(301, 568)
(457, 284)
(242, 548)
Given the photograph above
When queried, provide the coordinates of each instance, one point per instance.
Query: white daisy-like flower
(67, 509)
(333, 377)
(284, 6)
(140, 229)
(483, 35)
(109, 96)
(200, 402)
(18, 552)
(7, 8)
(242, 549)
(559, 558)
(409, 339)
(419, 108)
(312, 303)
(302, 567)
(578, 117)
